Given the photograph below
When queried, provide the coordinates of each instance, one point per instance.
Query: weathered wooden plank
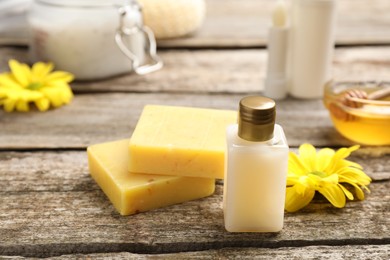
(286, 253)
(228, 71)
(45, 172)
(358, 63)
(102, 117)
(95, 118)
(54, 223)
(68, 171)
(232, 23)
(50, 206)
(237, 71)
(245, 23)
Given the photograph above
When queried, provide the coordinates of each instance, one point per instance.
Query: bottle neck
(255, 133)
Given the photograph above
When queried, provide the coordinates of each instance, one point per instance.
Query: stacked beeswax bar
(175, 156)
(180, 141)
(132, 193)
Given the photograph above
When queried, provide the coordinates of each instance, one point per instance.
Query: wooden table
(50, 206)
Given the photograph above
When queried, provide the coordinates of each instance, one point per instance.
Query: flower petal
(7, 81)
(352, 164)
(21, 72)
(22, 106)
(308, 156)
(58, 95)
(332, 179)
(59, 76)
(296, 166)
(41, 70)
(9, 105)
(42, 104)
(354, 175)
(295, 201)
(334, 194)
(301, 186)
(346, 192)
(359, 192)
(324, 159)
(343, 153)
(292, 179)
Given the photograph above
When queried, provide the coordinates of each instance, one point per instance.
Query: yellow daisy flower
(326, 172)
(39, 85)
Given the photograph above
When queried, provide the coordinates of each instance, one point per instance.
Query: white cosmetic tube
(276, 81)
(311, 47)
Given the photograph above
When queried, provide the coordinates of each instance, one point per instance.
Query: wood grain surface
(187, 79)
(67, 171)
(223, 71)
(50, 206)
(95, 118)
(233, 23)
(372, 252)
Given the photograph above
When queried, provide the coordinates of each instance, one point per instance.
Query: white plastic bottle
(255, 170)
(275, 85)
(311, 46)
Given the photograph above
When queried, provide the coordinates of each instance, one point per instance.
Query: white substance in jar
(79, 37)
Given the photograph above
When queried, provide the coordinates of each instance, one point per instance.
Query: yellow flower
(324, 172)
(39, 85)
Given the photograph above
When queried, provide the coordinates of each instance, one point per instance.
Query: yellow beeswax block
(131, 192)
(180, 141)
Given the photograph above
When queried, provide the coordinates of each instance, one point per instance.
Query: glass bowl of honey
(360, 111)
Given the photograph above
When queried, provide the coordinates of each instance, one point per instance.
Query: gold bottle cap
(256, 118)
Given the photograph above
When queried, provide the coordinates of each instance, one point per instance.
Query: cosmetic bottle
(311, 46)
(275, 85)
(255, 169)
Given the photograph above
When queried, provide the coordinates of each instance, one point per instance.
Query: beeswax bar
(180, 141)
(132, 193)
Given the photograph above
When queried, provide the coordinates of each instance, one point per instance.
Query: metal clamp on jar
(87, 39)
(128, 31)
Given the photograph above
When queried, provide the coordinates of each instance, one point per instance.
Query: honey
(365, 121)
(364, 129)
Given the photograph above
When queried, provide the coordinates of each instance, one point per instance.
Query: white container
(276, 81)
(255, 179)
(311, 46)
(275, 85)
(90, 38)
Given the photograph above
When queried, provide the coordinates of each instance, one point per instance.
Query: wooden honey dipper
(349, 99)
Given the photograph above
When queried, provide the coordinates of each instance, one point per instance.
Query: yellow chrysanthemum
(324, 172)
(38, 85)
